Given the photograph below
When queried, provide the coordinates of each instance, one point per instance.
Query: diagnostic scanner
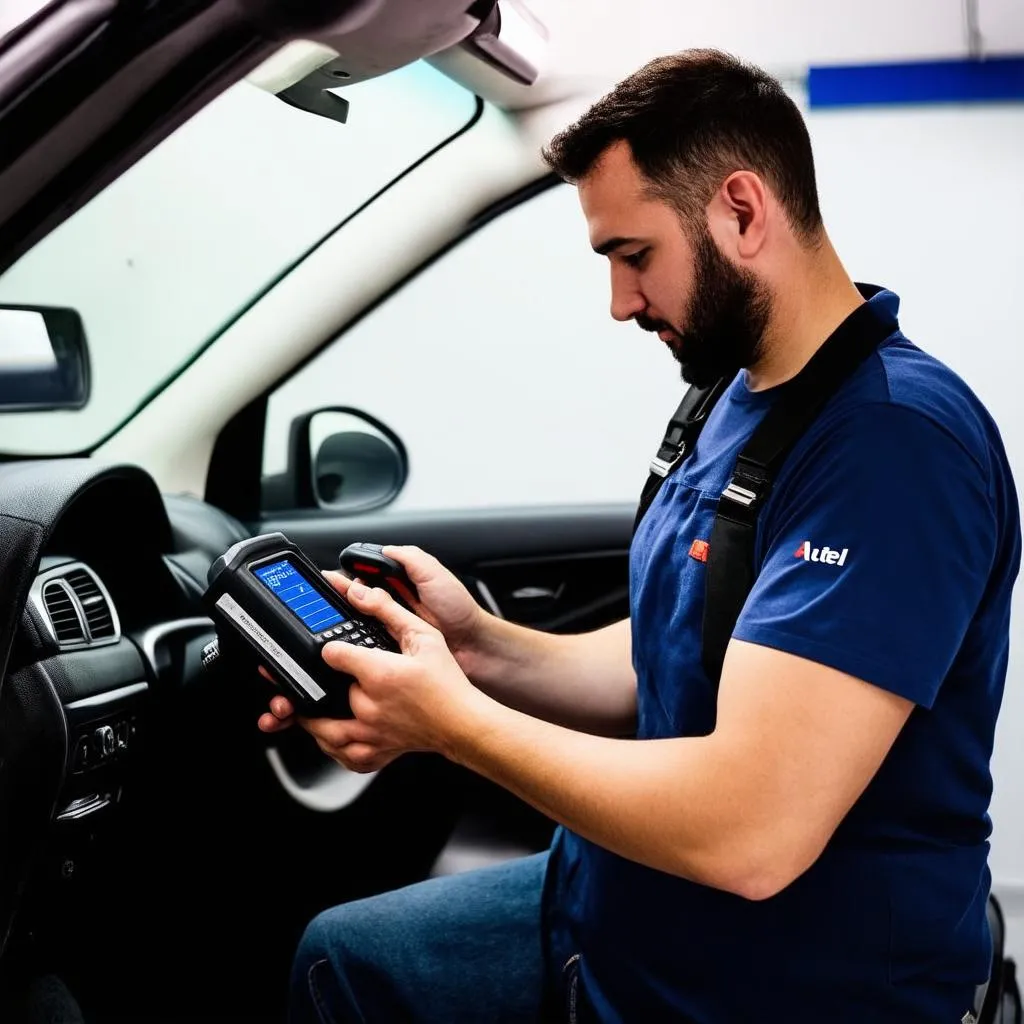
(267, 596)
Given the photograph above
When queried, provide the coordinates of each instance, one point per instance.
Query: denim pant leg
(462, 949)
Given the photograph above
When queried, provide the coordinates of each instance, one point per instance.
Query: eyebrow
(612, 244)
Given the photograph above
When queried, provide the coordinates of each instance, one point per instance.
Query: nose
(627, 298)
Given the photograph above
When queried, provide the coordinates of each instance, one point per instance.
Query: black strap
(680, 436)
(730, 567)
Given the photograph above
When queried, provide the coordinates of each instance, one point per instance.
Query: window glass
(502, 372)
(181, 243)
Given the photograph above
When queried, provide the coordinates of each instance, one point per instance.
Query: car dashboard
(102, 629)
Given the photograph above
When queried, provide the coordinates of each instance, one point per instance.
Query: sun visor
(505, 36)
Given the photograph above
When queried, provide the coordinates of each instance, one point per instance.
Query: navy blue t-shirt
(887, 550)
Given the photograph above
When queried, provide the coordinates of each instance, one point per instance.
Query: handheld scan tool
(266, 594)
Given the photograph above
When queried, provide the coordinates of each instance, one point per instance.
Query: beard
(725, 319)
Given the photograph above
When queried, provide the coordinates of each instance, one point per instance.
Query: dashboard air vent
(60, 607)
(94, 603)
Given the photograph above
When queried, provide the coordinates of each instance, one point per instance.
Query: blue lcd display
(301, 598)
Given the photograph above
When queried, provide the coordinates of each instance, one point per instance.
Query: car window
(173, 250)
(501, 371)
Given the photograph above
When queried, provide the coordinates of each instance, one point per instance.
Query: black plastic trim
(468, 538)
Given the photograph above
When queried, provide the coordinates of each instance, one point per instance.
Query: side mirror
(344, 461)
(44, 360)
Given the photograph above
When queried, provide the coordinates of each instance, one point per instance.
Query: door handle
(537, 593)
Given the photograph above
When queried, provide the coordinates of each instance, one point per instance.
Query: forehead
(614, 199)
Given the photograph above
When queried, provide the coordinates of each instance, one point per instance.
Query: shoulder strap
(680, 436)
(730, 567)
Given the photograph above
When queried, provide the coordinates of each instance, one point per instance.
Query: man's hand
(443, 603)
(401, 702)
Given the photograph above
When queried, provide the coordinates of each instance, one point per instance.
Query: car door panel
(559, 569)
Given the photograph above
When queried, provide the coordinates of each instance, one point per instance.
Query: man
(807, 840)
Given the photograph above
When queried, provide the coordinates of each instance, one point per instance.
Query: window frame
(235, 473)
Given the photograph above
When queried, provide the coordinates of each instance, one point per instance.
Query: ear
(743, 199)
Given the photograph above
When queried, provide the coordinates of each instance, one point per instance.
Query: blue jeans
(455, 950)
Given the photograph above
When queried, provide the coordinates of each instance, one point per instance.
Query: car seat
(998, 1001)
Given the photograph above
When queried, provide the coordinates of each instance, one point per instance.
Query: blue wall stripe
(940, 81)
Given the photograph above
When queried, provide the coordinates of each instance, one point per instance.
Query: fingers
(353, 744)
(282, 708)
(335, 733)
(363, 758)
(282, 712)
(270, 723)
(421, 567)
(338, 580)
(400, 622)
(355, 661)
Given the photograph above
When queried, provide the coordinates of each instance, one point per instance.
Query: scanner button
(349, 626)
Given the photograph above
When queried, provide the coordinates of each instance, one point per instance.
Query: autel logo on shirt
(827, 555)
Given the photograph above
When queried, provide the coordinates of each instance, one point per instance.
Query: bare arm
(747, 808)
(584, 682)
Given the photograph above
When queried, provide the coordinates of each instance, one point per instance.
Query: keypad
(360, 635)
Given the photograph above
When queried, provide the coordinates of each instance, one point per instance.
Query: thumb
(358, 662)
(421, 567)
(401, 623)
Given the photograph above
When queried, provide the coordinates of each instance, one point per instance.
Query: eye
(636, 259)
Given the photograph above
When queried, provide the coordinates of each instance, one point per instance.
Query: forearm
(688, 807)
(585, 682)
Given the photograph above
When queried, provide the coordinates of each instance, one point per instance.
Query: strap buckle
(668, 457)
(746, 490)
(741, 495)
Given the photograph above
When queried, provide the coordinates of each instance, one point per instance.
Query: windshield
(165, 257)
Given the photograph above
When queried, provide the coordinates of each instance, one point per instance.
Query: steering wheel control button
(105, 740)
(210, 654)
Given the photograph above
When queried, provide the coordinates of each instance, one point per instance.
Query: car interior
(156, 845)
(159, 856)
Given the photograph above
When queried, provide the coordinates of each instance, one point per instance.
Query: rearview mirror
(44, 360)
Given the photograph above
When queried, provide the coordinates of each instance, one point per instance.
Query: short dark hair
(691, 119)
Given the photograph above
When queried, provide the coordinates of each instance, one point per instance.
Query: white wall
(929, 202)
(1001, 23)
(610, 38)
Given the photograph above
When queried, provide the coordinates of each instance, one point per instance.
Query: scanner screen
(300, 597)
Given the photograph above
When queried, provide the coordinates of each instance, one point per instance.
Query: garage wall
(928, 202)
(609, 39)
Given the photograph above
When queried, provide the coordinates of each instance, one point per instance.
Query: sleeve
(877, 547)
